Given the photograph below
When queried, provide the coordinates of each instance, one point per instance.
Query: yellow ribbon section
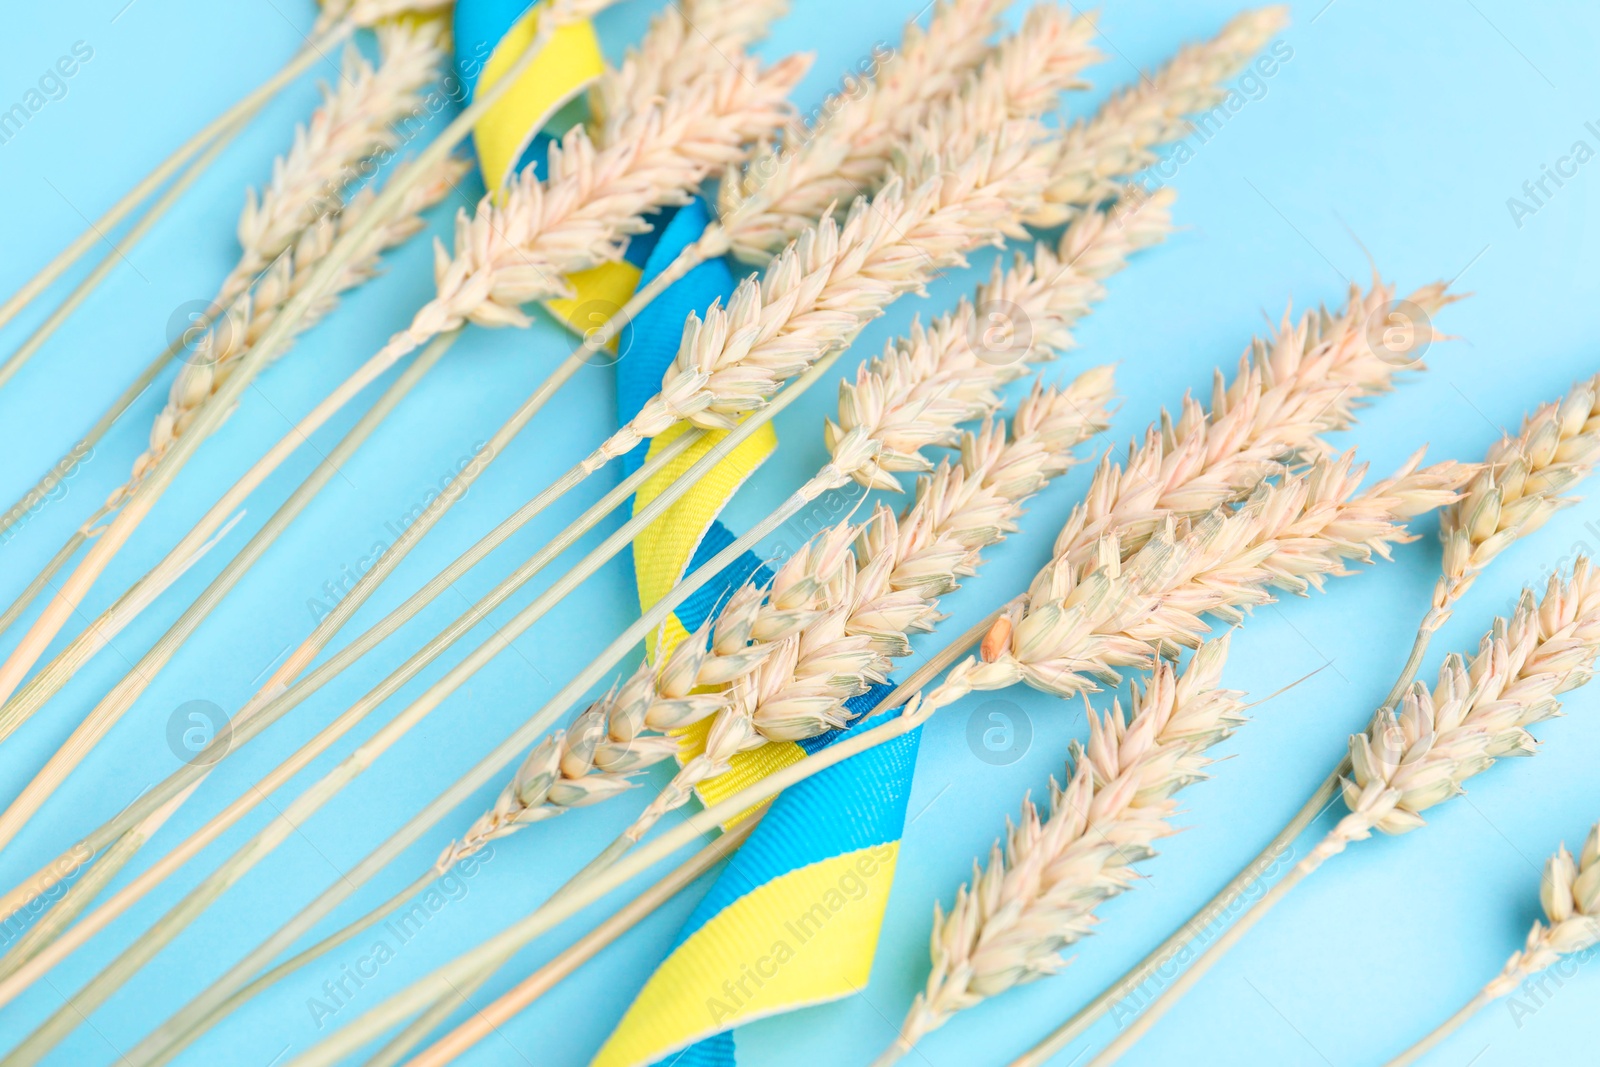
(742, 965)
(562, 70)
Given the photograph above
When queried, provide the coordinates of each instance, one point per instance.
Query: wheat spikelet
(849, 152)
(355, 122)
(786, 659)
(372, 12)
(1038, 896)
(1120, 139)
(1479, 712)
(1521, 487)
(218, 353)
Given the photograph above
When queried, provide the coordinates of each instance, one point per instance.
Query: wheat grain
(1096, 153)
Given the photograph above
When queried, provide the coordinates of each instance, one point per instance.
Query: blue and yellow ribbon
(795, 919)
(792, 921)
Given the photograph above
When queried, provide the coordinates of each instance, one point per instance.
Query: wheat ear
(785, 659)
(1037, 897)
(1569, 894)
(1406, 763)
(1522, 486)
(1122, 137)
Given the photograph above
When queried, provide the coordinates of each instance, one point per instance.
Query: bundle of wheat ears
(943, 145)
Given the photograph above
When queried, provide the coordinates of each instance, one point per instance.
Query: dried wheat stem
(241, 861)
(1096, 153)
(324, 277)
(1569, 893)
(1405, 763)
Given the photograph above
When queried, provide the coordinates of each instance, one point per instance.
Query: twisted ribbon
(807, 889)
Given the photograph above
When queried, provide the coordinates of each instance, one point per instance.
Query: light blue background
(1397, 130)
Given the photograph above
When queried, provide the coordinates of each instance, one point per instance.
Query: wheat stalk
(1121, 138)
(1037, 897)
(1406, 763)
(1569, 894)
(276, 336)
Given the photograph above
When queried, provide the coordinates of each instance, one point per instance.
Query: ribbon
(792, 921)
(821, 883)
